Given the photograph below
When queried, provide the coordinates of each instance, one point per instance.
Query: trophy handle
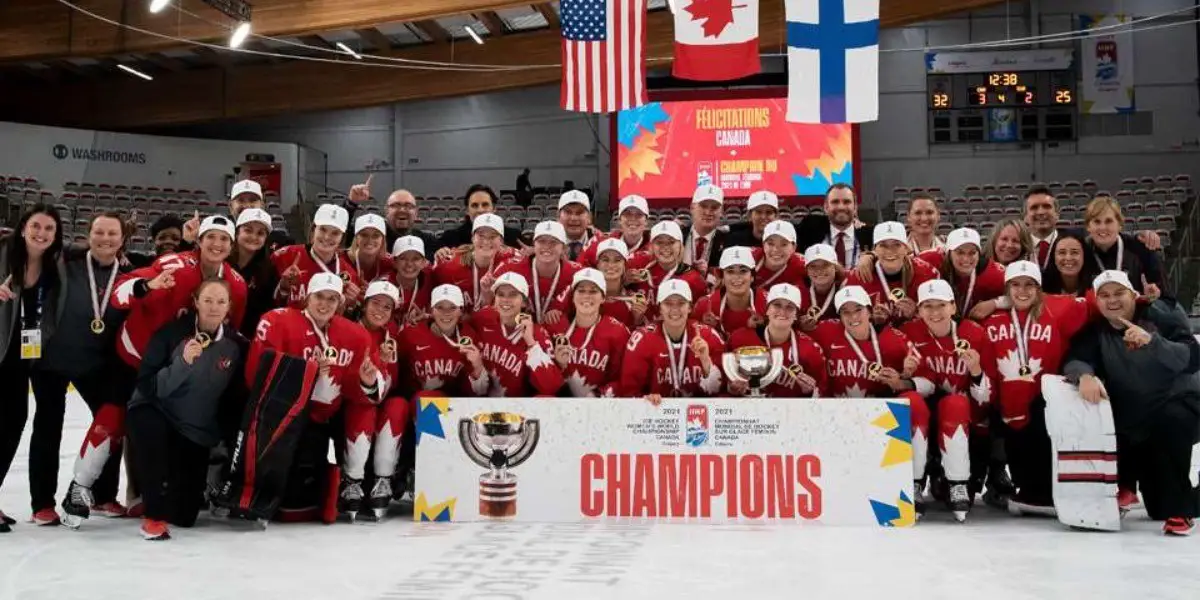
(729, 361)
(528, 443)
(776, 368)
(466, 437)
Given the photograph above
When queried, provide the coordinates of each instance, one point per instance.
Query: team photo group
(221, 369)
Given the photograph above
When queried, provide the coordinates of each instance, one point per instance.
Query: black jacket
(717, 246)
(431, 241)
(814, 229)
(742, 234)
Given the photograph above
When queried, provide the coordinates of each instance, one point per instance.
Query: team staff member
(29, 284)
(480, 199)
(1143, 358)
(839, 227)
(595, 344)
(735, 303)
(252, 260)
(632, 213)
(297, 263)
(923, 218)
(575, 215)
(804, 362)
(703, 240)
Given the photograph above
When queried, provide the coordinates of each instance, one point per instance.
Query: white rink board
(833, 461)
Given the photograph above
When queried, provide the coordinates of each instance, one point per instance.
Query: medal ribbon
(812, 297)
(1120, 255)
(887, 290)
(587, 339)
(100, 303)
(322, 338)
(538, 309)
(721, 310)
(1021, 336)
(337, 264)
(858, 350)
(677, 365)
(795, 348)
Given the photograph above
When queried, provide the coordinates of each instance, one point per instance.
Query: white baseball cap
(780, 228)
(851, 293)
(370, 221)
(408, 243)
(674, 287)
(669, 228)
(573, 197)
(633, 201)
(1022, 268)
(961, 237)
(708, 192)
(325, 282)
(331, 215)
(784, 291)
(488, 221)
(593, 276)
(615, 244)
(736, 255)
(935, 289)
(447, 292)
(246, 186)
(818, 252)
(890, 230)
(216, 223)
(254, 215)
(762, 198)
(553, 229)
(1112, 276)
(515, 281)
(384, 287)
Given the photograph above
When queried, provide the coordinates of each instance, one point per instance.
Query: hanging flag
(603, 55)
(716, 40)
(833, 61)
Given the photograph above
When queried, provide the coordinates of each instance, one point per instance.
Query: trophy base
(497, 496)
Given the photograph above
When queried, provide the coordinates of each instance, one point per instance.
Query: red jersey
(1046, 337)
(292, 332)
(921, 272)
(158, 307)
(647, 367)
(460, 270)
(389, 370)
(989, 285)
(728, 319)
(516, 369)
(810, 299)
(658, 274)
(596, 354)
(542, 290)
(384, 268)
(942, 370)
(798, 349)
(414, 298)
(847, 371)
(302, 256)
(588, 257)
(792, 272)
(433, 362)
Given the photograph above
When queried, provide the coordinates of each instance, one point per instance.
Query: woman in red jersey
(367, 252)
(978, 281)
(595, 344)
(632, 213)
(470, 268)
(297, 263)
(824, 277)
(803, 360)
(516, 351)
(665, 263)
(860, 361)
(777, 261)
(735, 303)
(894, 277)
(413, 279)
(548, 272)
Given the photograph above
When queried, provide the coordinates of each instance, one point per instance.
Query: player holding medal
(442, 353)
(516, 351)
(413, 279)
(590, 347)
(892, 276)
(646, 272)
(817, 289)
(978, 280)
(803, 359)
(860, 361)
(777, 261)
(470, 268)
(548, 273)
(735, 303)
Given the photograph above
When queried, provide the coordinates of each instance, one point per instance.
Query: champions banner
(1107, 80)
(835, 461)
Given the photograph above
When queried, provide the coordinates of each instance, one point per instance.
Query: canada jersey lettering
(847, 373)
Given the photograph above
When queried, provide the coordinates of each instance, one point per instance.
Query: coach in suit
(704, 239)
(837, 227)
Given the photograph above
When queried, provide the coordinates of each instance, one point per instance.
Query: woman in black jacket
(191, 368)
(251, 258)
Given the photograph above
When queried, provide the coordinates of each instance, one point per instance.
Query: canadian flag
(716, 40)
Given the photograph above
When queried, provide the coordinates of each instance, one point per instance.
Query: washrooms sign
(65, 152)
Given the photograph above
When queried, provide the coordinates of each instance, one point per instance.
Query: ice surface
(991, 556)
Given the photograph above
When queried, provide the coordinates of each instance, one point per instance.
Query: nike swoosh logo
(422, 348)
(836, 346)
(1011, 419)
(921, 344)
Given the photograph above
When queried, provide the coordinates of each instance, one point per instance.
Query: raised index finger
(1126, 322)
(369, 177)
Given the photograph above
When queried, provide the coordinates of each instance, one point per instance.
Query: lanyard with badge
(31, 337)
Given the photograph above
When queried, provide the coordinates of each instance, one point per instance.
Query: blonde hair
(1022, 234)
(1101, 204)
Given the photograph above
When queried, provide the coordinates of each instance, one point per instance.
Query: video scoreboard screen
(968, 102)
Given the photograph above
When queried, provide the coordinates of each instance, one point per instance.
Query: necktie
(1043, 252)
(576, 249)
(701, 247)
(840, 247)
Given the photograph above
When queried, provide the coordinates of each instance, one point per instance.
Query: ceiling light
(347, 50)
(133, 71)
(158, 5)
(474, 36)
(240, 33)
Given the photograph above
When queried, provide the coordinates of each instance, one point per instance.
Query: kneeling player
(804, 362)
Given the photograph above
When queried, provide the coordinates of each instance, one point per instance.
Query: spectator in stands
(761, 208)
(480, 199)
(1109, 249)
(839, 227)
(1068, 272)
(703, 240)
(251, 258)
(922, 220)
(1041, 215)
(1010, 242)
(524, 188)
(29, 287)
(575, 215)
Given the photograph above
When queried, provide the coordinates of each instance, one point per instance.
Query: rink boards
(835, 461)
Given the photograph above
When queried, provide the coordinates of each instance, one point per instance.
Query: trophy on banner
(498, 441)
(754, 365)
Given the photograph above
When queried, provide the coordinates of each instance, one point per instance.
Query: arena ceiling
(61, 66)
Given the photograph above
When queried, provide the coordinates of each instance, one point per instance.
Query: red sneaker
(1127, 500)
(154, 530)
(112, 510)
(1179, 526)
(47, 517)
(136, 509)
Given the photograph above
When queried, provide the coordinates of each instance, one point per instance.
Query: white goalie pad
(1083, 443)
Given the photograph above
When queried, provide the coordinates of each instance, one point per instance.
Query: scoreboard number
(941, 100)
(1063, 96)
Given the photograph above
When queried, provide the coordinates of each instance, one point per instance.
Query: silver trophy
(498, 441)
(754, 365)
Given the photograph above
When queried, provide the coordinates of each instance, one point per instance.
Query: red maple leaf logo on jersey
(716, 14)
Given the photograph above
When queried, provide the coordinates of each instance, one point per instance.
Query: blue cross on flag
(833, 61)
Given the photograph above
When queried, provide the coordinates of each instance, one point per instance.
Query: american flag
(603, 50)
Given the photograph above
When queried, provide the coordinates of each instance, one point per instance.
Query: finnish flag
(833, 61)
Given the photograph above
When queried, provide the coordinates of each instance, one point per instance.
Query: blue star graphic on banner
(902, 514)
(631, 122)
(429, 416)
(903, 430)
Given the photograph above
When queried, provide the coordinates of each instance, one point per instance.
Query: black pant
(1163, 460)
(1029, 453)
(14, 402)
(113, 384)
(172, 469)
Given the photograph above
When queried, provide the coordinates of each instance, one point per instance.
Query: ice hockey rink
(991, 556)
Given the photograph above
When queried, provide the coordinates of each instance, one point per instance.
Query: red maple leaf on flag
(716, 14)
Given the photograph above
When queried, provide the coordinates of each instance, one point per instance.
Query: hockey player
(154, 296)
(825, 276)
(413, 279)
(777, 260)
(893, 277)
(612, 256)
(595, 344)
(736, 302)
(677, 358)
(367, 252)
(516, 351)
(646, 272)
(297, 263)
(804, 362)
(953, 392)
(548, 272)
(860, 361)
(442, 353)
(1029, 340)
(632, 214)
(469, 268)
(978, 280)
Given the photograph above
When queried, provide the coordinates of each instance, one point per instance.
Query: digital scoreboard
(997, 97)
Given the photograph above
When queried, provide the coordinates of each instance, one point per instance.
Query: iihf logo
(697, 425)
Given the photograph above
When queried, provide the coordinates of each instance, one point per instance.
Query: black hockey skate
(381, 497)
(919, 503)
(959, 501)
(999, 487)
(76, 505)
(350, 497)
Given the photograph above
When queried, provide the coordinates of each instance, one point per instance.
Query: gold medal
(874, 369)
(561, 340)
(897, 294)
(814, 312)
(331, 353)
(796, 371)
(345, 277)
(639, 297)
(464, 341)
(389, 345)
(203, 339)
(97, 326)
(640, 275)
(962, 345)
(522, 318)
(1024, 371)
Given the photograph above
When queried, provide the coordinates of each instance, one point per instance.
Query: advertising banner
(832, 461)
(1107, 78)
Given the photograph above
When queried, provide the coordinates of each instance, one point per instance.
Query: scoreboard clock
(1001, 97)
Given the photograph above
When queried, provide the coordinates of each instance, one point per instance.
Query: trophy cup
(498, 441)
(754, 365)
